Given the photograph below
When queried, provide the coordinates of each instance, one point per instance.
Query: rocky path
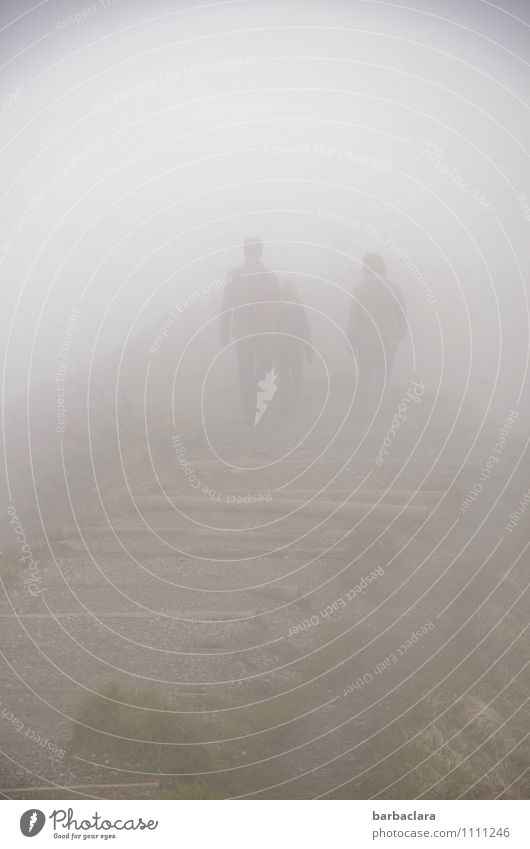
(287, 625)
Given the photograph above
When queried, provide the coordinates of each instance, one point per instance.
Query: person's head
(374, 264)
(253, 248)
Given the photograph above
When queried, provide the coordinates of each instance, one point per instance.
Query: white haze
(156, 180)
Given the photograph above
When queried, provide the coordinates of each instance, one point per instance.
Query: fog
(142, 144)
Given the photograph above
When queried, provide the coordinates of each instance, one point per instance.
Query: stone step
(199, 615)
(44, 791)
(364, 496)
(212, 465)
(284, 507)
(207, 536)
(218, 546)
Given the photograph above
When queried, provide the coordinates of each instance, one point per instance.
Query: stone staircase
(219, 602)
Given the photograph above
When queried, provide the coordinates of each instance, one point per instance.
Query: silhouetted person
(292, 344)
(376, 326)
(249, 317)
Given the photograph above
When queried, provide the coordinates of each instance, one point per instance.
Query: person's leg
(265, 358)
(266, 363)
(284, 381)
(382, 370)
(297, 371)
(364, 382)
(265, 355)
(247, 389)
(380, 376)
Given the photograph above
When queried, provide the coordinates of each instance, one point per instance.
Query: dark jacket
(377, 316)
(246, 304)
(294, 325)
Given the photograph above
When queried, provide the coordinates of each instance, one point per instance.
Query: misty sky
(143, 141)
